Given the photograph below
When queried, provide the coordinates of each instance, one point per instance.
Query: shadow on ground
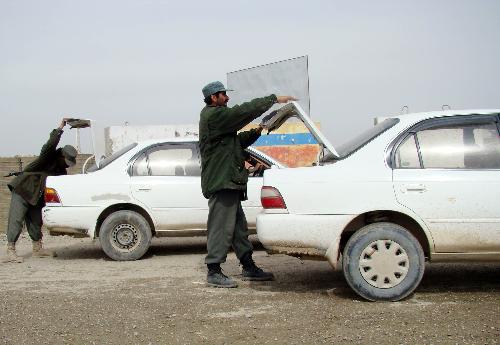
(161, 247)
(294, 275)
(461, 277)
(438, 278)
(86, 249)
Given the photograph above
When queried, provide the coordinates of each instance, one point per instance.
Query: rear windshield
(365, 137)
(107, 160)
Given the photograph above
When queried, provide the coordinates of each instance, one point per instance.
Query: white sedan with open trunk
(146, 189)
(415, 187)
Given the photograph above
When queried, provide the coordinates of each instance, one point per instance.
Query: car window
(359, 141)
(471, 146)
(407, 154)
(141, 166)
(169, 160)
(108, 160)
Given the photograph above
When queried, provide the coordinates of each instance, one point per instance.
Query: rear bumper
(73, 221)
(303, 235)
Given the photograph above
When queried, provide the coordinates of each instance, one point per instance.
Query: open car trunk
(327, 153)
(97, 139)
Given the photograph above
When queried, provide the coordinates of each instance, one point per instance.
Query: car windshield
(365, 137)
(107, 160)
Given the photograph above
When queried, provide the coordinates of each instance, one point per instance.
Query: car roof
(141, 144)
(148, 142)
(415, 117)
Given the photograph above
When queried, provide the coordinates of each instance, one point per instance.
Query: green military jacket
(30, 184)
(222, 148)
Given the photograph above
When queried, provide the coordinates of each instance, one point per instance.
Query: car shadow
(294, 275)
(168, 246)
(86, 249)
(160, 247)
(313, 277)
(460, 277)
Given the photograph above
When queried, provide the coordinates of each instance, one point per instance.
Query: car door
(166, 179)
(447, 171)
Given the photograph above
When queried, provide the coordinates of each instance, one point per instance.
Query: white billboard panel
(288, 77)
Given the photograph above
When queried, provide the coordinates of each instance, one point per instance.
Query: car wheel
(383, 262)
(125, 235)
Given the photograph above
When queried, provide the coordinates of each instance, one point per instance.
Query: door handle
(418, 188)
(143, 189)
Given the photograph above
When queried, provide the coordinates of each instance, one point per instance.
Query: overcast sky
(145, 61)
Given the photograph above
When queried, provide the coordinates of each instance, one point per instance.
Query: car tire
(383, 262)
(125, 235)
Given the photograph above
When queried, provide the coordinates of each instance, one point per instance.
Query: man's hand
(63, 122)
(285, 99)
(259, 128)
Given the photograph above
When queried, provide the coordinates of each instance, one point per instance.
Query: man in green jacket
(27, 198)
(224, 179)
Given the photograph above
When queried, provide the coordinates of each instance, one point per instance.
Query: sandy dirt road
(82, 297)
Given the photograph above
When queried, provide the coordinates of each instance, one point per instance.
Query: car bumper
(302, 235)
(73, 221)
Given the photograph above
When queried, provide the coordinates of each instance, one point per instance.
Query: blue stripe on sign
(285, 139)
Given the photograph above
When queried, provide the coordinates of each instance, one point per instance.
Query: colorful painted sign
(291, 144)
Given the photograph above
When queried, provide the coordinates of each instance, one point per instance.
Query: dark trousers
(226, 227)
(21, 211)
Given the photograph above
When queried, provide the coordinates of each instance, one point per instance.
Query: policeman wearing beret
(224, 179)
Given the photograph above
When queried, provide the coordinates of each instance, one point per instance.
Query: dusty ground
(81, 297)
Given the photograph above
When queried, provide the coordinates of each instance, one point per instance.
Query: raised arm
(229, 120)
(50, 146)
(247, 138)
(233, 119)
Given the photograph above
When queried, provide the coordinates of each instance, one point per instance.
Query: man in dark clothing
(27, 198)
(224, 179)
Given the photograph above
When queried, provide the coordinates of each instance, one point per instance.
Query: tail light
(270, 197)
(51, 196)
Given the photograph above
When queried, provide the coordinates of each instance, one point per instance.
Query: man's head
(68, 155)
(214, 94)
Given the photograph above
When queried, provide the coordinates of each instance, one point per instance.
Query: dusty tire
(383, 262)
(125, 235)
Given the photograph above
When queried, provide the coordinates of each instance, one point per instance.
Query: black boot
(216, 278)
(250, 270)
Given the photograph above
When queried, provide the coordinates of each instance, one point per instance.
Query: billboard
(288, 77)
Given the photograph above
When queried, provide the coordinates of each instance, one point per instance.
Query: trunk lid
(327, 152)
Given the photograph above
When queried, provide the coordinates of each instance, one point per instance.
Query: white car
(146, 189)
(415, 187)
